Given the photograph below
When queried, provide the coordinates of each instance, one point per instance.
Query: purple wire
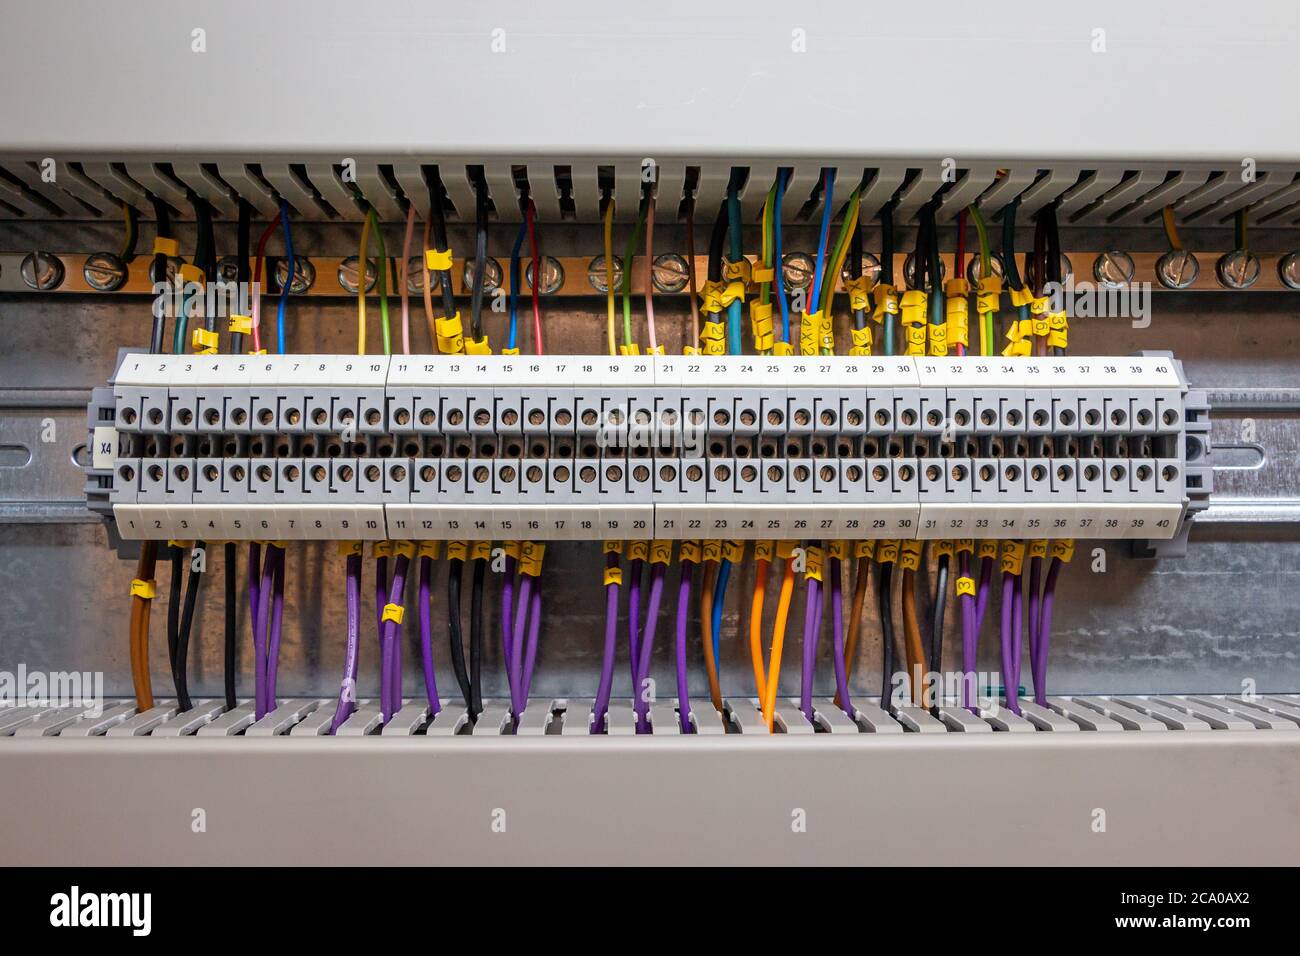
(381, 594)
(517, 701)
(390, 680)
(611, 647)
(508, 613)
(1045, 633)
(1009, 683)
(1017, 642)
(812, 614)
(837, 623)
(259, 635)
(1035, 577)
(426, 636)
(254, 592)
(683, 615)
(534, 629)
(634, 618)
(348, 688)
(277, 612)
(982, 601)
(658, 572)
(969, 639)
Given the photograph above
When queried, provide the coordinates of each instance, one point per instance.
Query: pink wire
(401, 277)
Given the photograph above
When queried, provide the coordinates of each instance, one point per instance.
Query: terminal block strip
(585, 447)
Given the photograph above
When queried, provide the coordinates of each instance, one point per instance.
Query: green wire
(382, 283)
(182, 317)
(986, 270)
(633, 241)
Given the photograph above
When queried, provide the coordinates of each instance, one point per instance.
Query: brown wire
(912, 645)
(140, 606)
(860, 587)
(706, 629)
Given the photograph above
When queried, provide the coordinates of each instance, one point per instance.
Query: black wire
(159, 273)
(920, 254)
(174, 609)
(1040, 254)
(716, 241)
(232, 621)
(181, 673)
(438, 219)
(476, 636)
(1009, 270)
(480, 259)
(933, 268)
(132, 234)
(884, 592)
(454, 570)
(1054, 259)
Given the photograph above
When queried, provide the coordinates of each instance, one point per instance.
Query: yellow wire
(1171, 229)
(361, 287)
(609, 271)
(778, 642)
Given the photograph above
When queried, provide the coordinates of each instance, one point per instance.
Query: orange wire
(778, 642)
(706, 629)
(912, 636)
(756, 625)
(139, 631)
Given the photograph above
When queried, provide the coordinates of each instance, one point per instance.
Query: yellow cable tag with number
(887, 551)
(638, 550)
(988, 549)
(613, 575)
(661, 551)
(689, 551)
(1038, 548)
(785, 549)
(204, 342)
(966, 586)
(886, 297)
(864, 549)
(989, 296)
(480, 550)
(240, 324)
(964, 545)
(1063, 549)
(733, 551)
(382, 549)
(394, 613)
(838, 549)
(909, 555)
(611, 547)
(813, 569)
(941, 548)
(405, 549)
(1013, 557)
(477, 346)
(712, 549)
(764, 549)
(457, 550)
(431, 549)
(531, 554)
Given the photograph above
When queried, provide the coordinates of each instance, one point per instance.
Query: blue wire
(288, 282)
(733, 228)
(719, 596)
(827, 200)
(778, 280)
(514, 283)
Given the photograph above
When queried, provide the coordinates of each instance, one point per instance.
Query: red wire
(257, 273)
(537, 279)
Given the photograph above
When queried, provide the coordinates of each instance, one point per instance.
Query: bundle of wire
(265, 608)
